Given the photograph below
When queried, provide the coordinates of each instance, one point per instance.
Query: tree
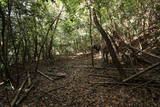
(106, 37)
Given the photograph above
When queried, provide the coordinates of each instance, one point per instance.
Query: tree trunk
(4, 46)
(106, 37)
(51, 41)
(54, 30)
(90, 32)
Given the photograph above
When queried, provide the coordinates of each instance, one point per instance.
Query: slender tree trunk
(106, 37)
(35, 39)
(35, 47)
(43, 43)
(51, 41)
(4, 45)
(90, 32)
(3, 52)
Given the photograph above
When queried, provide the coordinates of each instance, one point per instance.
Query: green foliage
(3, 2)
(31, 20)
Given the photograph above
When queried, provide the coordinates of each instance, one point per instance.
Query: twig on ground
(59, 74)
(44, 75)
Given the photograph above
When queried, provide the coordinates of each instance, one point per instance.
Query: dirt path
(75, 89)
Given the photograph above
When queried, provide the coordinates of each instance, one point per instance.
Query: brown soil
(78, 89)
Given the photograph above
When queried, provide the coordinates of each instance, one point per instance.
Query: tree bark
(107, 39)
(3, 51)
(4, 46)
(51, 41)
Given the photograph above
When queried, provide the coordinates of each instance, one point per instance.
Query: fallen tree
(139, 50)
(139, 73)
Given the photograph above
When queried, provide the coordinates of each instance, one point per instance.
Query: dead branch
(142, 84)
(57, 75)
(139, 50)
(44, 75)
(139, 73)
(18, 93)
(144, 60)
(25, 95)
(1, 83)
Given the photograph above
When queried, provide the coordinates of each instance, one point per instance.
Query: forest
(79, 53)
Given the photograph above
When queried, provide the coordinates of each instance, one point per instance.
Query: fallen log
(25, 95)
(18, 93)
(143, 60)
(139, 73)
(139, 50)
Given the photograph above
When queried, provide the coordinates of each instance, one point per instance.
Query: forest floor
(78, 87)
